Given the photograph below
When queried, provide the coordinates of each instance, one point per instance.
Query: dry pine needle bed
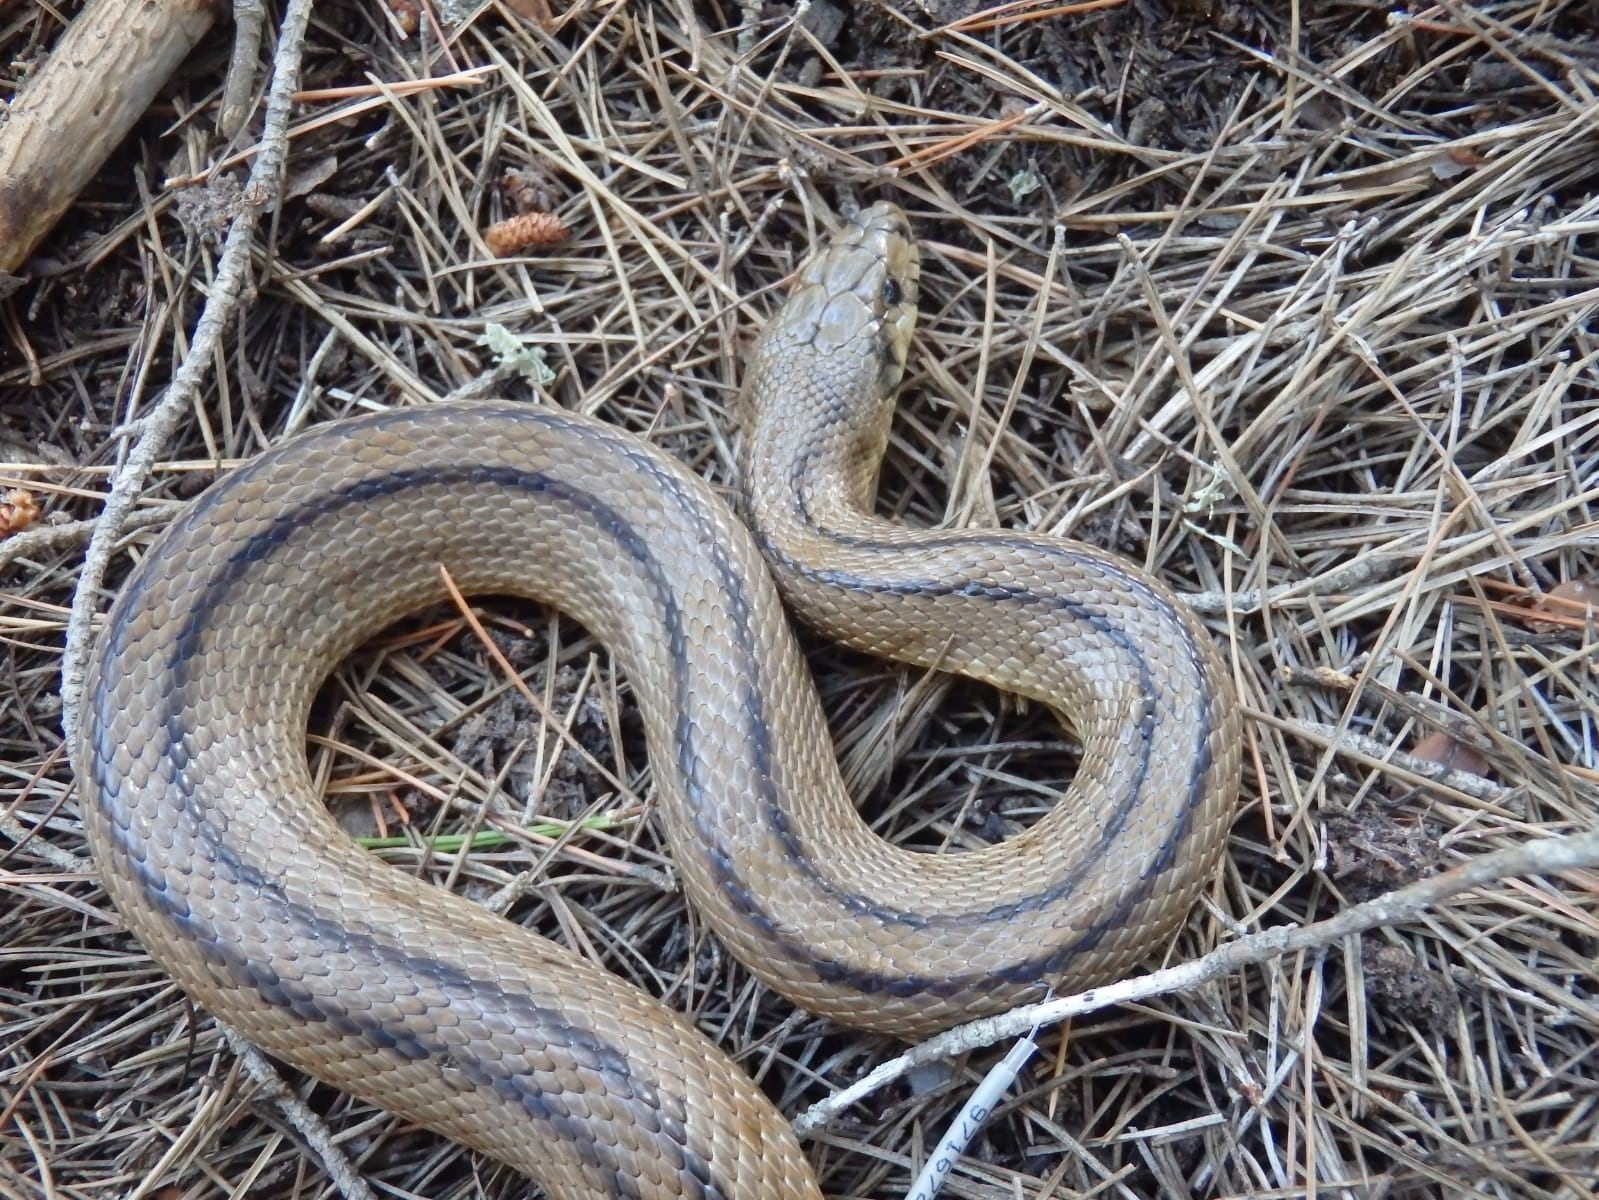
(1294, 305)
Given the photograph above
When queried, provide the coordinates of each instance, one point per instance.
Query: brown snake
(221, 857)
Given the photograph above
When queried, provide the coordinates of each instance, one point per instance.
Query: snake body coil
(216, 849)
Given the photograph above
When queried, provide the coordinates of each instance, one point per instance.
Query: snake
(214, 846)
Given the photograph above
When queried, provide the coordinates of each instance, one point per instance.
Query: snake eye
(891, 292)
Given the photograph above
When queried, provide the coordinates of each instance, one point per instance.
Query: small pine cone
(515, 234)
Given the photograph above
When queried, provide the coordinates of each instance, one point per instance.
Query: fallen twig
(1393, 908)
(157, 426)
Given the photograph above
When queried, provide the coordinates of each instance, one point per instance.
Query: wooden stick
(101, 77)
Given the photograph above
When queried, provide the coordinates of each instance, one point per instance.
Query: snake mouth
(894, 284)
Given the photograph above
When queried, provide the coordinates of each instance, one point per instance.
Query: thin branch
(249, 20)
(306, 1123)
(47, 539)
(1392, 908)
(157, 427)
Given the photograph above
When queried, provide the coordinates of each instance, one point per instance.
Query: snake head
(854, 303)
(822, 378)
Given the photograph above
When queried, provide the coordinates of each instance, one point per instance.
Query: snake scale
(216, 849)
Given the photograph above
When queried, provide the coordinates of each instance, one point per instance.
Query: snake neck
(811, 456)
(819, 386)
(799, 504)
